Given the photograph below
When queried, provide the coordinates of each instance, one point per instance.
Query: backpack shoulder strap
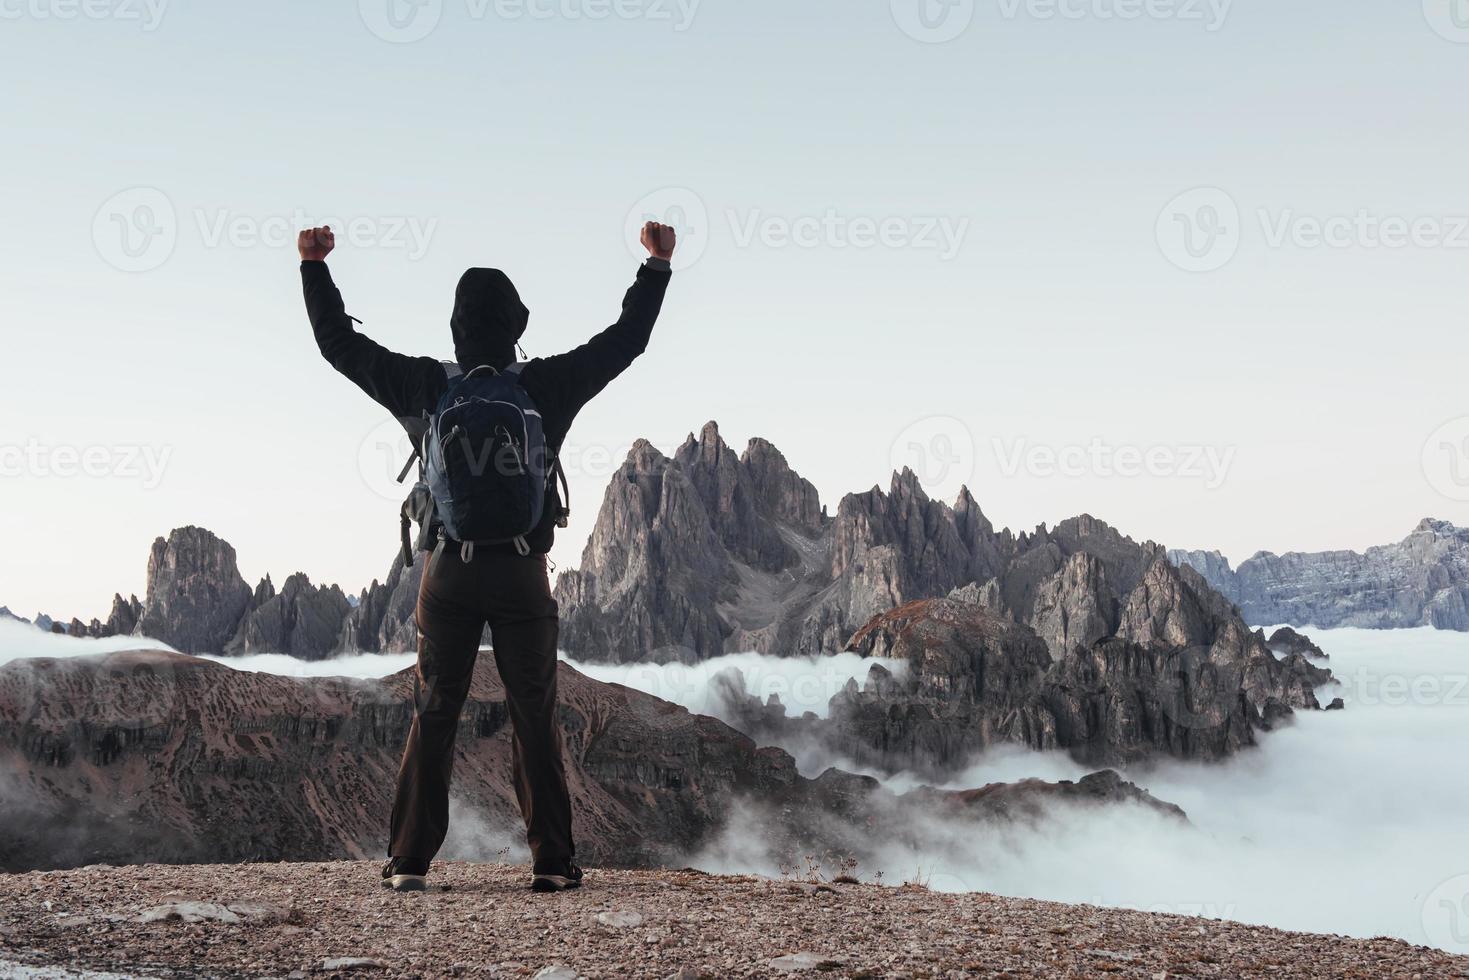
(452, 373)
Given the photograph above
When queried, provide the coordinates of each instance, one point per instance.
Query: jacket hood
(488, 319)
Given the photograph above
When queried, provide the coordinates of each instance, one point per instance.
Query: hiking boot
(555, 876)
(405, 874)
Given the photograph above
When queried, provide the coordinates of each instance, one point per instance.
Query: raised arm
(585, 371)
(403, 385)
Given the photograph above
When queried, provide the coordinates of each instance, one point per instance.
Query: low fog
(801, 683)
(20, 640)
(1344, 822)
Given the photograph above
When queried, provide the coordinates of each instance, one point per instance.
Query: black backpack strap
(405, 528)
(563, 495)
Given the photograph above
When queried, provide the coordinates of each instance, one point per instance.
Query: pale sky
(971, 256)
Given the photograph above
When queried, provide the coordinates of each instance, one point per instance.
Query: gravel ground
(318, 920)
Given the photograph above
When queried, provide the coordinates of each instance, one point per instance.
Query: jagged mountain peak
(759, 566)
(195, 595)
(1438, 527)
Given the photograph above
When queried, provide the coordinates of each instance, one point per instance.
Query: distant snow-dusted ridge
(1422, 580)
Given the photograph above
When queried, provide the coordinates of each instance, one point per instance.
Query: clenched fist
(315, 244)
(659, 240)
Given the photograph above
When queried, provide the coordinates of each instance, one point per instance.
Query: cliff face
(155, 756)
(709, 552)
(1422, 580)
(197, 602)
(196, 596)
(976, 678)
(301, 620)
(1074, 638)
(152, 756)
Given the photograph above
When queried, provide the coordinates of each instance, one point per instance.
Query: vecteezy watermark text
(405, 233)
(1210, 13)
(1202, 230)
(1209, 464)
(834, 228)
(137, 229)
(147, 13)
(938, 21)
(34, 458)
(406, 21)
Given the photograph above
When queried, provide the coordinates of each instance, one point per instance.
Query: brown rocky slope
(305, 920)
(154, 756)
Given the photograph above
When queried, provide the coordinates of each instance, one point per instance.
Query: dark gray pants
(455, 602)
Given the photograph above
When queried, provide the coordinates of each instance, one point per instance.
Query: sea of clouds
(1348, 822)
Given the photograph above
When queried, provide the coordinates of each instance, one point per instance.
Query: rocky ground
(311, 920)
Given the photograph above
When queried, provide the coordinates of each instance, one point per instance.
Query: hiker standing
(490, 495)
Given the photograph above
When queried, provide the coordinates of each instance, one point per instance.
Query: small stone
(188, 912)
(799, 962)
(555, 972)
(352, 963)
(620, 918)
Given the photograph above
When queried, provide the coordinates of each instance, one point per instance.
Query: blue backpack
(484, 464)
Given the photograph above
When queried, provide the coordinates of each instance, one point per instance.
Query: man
(499, 585)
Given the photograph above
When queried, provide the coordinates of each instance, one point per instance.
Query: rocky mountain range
(197, 602)
(1422, 580)
(1074, 637)
(710, 551)
(975, 678)
(149, 756)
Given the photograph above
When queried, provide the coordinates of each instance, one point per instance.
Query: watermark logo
(381, 456)
(401, 21)
(1448, 18)
(1446, 459)
(135, 230)
(941, 453)
(682, 209)
(1199, 230)
(933, 21)
(1446, 914)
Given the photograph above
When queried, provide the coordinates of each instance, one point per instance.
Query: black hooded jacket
(488, 320)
